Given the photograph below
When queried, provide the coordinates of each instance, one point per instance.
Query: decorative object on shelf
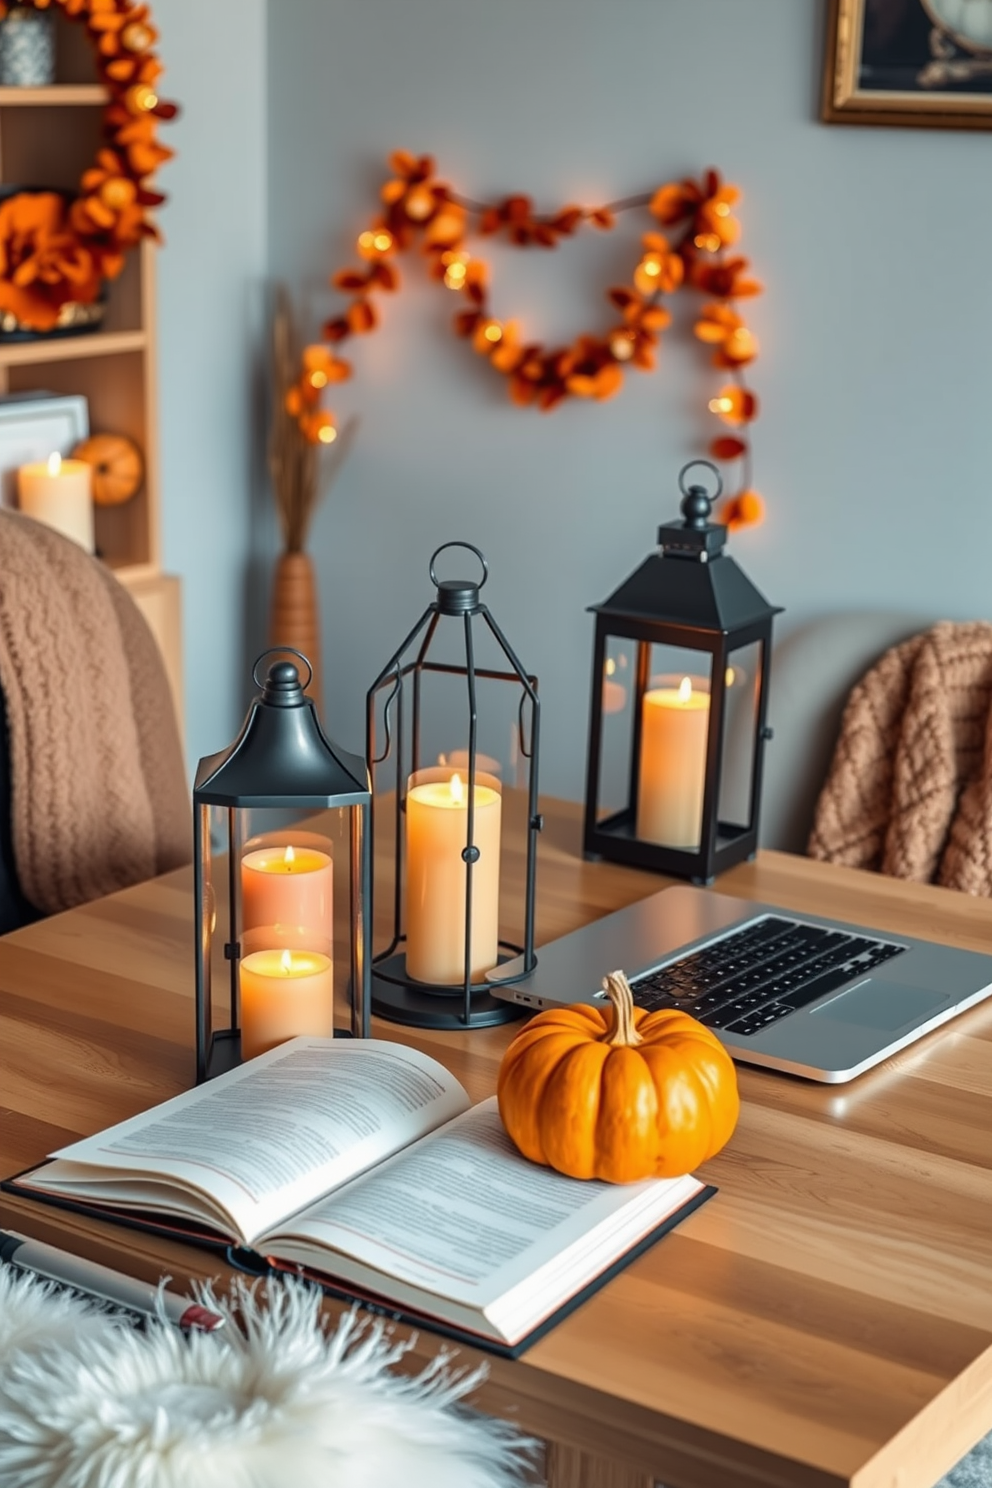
(299, 474)
(116, 464)
(619, 1094)
(289, 811)
(27, 48)
(59, 493)
(33, 425)
(674, 764)
(699, 215)
(427, 705)
(925, 63)
(57, 253)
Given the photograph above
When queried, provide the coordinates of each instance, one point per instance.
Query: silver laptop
(795, 992)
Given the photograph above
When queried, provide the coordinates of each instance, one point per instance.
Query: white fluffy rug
(88, 1402)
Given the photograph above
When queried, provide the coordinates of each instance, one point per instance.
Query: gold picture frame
(910, 63)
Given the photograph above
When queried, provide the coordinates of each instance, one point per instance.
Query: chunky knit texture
(909, 792)
(98, 786)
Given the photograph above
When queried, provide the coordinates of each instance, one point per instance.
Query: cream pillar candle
(287, 898)
(284, 993)
(436, 834)
(58, 492)
(671, 778)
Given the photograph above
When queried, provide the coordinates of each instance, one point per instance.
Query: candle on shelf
(674, 730)
(284, 993)
(286, 898)
(436, 835)
(58, 492)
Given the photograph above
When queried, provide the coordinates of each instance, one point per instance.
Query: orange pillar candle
(284, 993)
(674, 730)
(286, 898)
(436, 835)
(58, 492)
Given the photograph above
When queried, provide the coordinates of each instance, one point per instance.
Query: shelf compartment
(118, 396)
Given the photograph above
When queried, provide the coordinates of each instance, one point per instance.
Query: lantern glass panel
(655, 729)
(740, 736)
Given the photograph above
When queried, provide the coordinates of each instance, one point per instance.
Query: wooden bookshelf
(48, 136)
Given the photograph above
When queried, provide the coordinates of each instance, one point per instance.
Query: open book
(364, 1165)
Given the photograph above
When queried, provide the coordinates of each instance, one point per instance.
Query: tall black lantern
(452, 746)
(281, 823)
(677, 719)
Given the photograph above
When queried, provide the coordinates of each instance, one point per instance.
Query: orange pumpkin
(118, 468)
(621, 1094)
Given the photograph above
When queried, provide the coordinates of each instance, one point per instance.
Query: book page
(464, 1216)
(267, 1138)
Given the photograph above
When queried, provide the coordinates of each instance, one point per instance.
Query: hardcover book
(364, 1166)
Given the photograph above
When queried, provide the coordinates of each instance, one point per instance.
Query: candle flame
(54, 463)
(455, 786)
(685, 690)
(286, 962)
(729, 676)
(289, 856)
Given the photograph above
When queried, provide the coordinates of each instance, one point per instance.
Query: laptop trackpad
(882, 1005)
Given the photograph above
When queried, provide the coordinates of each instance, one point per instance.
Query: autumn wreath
(54, 252)
(696, 253)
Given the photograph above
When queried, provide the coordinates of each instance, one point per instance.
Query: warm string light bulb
(456, 268)
(327, 433)
(721, 405)
(493, 332)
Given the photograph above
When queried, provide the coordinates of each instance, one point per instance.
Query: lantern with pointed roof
(282, 879)
(679, 693)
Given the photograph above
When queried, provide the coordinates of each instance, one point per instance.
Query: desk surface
(827, 1320)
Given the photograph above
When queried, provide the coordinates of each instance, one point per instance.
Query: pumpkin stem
(621, 1032)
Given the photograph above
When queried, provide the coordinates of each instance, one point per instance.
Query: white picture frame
(33, 426)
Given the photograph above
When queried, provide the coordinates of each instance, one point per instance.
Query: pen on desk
(103, 1283)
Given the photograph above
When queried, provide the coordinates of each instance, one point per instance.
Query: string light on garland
(695, 254)
(55, 254)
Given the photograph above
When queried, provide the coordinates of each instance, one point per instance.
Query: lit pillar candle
(284, 993)
(58, 492)
(674, 729)
(286, 898)
(436, 835)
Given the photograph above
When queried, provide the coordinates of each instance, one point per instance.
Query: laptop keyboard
(761, 973)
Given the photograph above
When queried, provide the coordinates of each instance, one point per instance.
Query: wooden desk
(827, 1320)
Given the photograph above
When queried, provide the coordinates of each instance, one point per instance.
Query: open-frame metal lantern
(281, 826)
(459, 754)
(679, 695)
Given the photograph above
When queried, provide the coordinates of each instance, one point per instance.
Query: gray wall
(874, 446)
(208, 279)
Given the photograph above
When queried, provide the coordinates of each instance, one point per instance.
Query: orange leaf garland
(702, 226)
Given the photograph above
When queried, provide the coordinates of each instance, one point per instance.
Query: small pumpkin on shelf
(621, 1094)
(118, 468)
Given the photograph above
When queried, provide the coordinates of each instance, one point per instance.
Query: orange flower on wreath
(722, 327)
(708, 206)
(660, 270)
(636, 340)
(735, 405)
(42, 265)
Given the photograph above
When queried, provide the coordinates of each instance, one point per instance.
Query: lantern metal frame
(693, 596)
(396, 996)
(283, 760)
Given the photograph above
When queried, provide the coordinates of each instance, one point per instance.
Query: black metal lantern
(281, 825)
(459, 754)
(679, 692)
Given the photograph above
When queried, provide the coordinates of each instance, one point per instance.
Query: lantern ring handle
(471, 548)
(715, 495)
(282, 651)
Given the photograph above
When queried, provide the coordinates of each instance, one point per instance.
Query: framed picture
(924, 63)
(34, 426)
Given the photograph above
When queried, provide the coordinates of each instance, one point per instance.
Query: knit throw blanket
(909, 792)
(98, 786)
